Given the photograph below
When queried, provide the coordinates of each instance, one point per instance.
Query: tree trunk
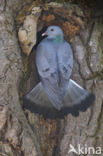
(23, 133)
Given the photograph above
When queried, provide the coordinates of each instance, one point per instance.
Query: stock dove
(56, 94)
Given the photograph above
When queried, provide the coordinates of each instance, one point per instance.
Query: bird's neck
(58, 39)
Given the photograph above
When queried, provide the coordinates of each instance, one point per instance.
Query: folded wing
(46, 61)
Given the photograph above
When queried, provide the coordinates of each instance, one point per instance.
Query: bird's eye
(52, 29)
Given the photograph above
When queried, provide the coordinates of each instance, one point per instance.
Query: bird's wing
(46, 62)
(65, 58)
(45, 59)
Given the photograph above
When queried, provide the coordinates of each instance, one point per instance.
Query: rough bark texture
(16, 136)
(23, 133)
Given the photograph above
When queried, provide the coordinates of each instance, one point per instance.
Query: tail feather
(37, 96)
(76, 99)
(53, 93)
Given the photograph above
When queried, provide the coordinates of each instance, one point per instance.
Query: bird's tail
(38, 101)
(37, 96)
(77, 98)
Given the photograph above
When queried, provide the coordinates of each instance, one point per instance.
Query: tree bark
(23, 133)
(16, 136)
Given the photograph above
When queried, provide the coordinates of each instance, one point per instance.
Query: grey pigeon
(56, 95)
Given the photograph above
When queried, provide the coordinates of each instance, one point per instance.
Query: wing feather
(46, 61)
(65, 56)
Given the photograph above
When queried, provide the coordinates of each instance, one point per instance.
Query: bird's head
(54, 32)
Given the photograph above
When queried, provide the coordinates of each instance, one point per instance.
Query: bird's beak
(44, 34)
